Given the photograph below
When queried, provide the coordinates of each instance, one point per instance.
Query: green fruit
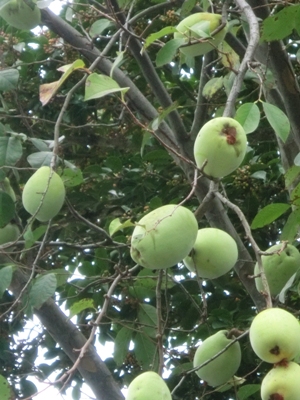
(222, 143)
(214, 253)
(43, 196)
(191, 29)
(164, 237)
(279, 268)
(20, 15)
(275, 335)
(223, 367)
(5, 187)
(9, 233)
(282, 383)
(148, 386)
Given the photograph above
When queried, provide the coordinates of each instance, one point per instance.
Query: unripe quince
(9, 233)
(164, 237)
(20, 15)
(222, 143)
(214, 253)
(48, 190)
(148, 386)
(275, 335)
(223, 367)
(204, 21)
(279, 268)
(282, 382)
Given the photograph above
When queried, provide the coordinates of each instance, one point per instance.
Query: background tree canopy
(103, 88)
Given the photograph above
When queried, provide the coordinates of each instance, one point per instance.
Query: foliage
(121, 123)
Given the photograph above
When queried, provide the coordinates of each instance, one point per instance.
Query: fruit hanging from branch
(44, 194)
(164, 237)
(21, 14)
(282, 382)
(148, 386)
(9, 233)
(214, 253)
(275, 335)
(278, 267)
(220, 146)
(223, 367)
(198, 30)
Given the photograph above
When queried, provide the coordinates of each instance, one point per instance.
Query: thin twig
(252, 45)
(254, 245)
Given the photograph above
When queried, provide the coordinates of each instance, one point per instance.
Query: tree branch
(65, 333)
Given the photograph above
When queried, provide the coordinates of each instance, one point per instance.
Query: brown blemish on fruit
(276, 396)
(230, 133)
(275, 351)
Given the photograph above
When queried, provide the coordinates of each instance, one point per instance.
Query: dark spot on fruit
(275, 350)
(276, 396)
(230, 133)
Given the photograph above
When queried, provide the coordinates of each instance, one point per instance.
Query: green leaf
(147, 317)
(116, 225)
(269, 214)
(278, 120)
(297, 160)
(166, 54)
(37, 160)
(117, 62)
(201, 29)
(48, 90)
(292, 174)
(157, 35)
(32, 236)
(6, 274)
(212, 87)
(259, 175)
(114, 163)
(40, 144)
(248, 116)
(72, 177)
(42, 289)
(99, 26)
(187, 7)
(81, 305)
(5, 390)
(281, 24)
(10, 149)
(158, 120)
(8, 79)
(62, 276)
(145, 350)
(7, 209)
(122, 342)
(97, 86)
(295, 196)
(247, 390)
(291, 227)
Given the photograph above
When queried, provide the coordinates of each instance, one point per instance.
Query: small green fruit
(41, 188)
(213, 255)
(279, 268)
(222, 144)
(282, 383)
(9, 233)
(275, 335)
(164, 237)
(20, 15)
(223, 367)
(148, 386)
(191, 29)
